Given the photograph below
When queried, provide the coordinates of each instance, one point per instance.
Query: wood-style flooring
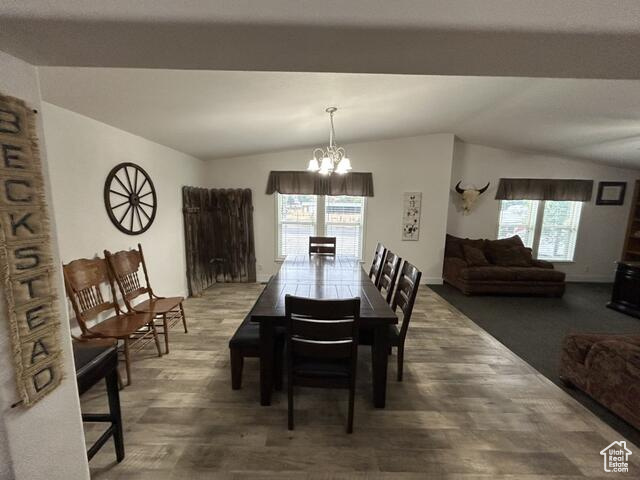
(468, 409)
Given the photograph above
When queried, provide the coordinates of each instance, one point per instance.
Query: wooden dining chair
(125, 266)
(84, 280)
(404, 298)
(322, 245)
(322, 346)
(376, 265)
(388, 275)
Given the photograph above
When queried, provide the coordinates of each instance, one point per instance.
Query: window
(518, 217)
(302, 216)
(552, 235)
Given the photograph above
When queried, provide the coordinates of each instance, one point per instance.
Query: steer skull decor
(469, 196)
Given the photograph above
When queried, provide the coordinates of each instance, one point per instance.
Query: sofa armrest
(542, 264)
(452, 267)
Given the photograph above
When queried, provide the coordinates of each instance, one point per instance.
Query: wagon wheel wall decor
(130, 198)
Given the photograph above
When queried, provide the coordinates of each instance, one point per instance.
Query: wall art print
(411, 210)
(26, 261)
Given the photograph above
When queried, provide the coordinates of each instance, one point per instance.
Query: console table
(626, 289)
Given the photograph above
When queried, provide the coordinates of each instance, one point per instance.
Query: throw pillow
(510, 256)
(474, 256)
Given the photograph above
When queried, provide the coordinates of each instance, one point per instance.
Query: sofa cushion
(534, 274)
(453, 245)
(490, 273)
(509, 255)
(474, 256)
(514, 241)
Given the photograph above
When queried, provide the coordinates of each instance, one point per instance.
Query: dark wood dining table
(323, 277)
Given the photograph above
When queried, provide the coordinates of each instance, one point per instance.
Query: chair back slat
(376, 265)
(322, 245)
(405, 296)
(324, 329)
(388, 275)
(125, 267)
(84, 279)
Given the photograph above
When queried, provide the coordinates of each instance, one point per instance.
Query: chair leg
(184, 319)
(352, 394)
(152, 325)
(114, 411)
(166, 333)
(120, 383)
(400, 361)
(290, 397)
(278, 366)
(237, 362)
(127, 360)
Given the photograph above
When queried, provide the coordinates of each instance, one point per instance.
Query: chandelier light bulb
(313, 165)
(326, 165)
(345, 164)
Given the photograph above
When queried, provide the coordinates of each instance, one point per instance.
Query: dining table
(324, 277)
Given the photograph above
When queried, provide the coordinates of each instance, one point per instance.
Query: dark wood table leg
(266, 362)
(379, 356)
(113, 394)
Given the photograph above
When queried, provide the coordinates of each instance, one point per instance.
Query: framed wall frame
(611, 193)
(411, 210)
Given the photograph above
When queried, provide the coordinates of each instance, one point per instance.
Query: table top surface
(325, 278)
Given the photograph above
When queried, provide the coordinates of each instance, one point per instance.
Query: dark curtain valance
(356, 184)
(544, 189)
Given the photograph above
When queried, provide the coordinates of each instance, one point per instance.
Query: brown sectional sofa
(479, 266)
(607, 368)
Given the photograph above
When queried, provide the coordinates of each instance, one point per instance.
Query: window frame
(537, 231)
(320, 224)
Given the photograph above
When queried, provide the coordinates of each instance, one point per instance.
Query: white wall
(420, 164)
(45, 441)
(602, 228)
(81, 152)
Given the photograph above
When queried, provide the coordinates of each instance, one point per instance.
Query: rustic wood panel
(219, 240)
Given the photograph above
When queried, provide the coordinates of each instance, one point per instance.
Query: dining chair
(376, 265)
(84, 280)
(404, 298)
(322, 245)
(388, 275)
(322, 346)
(125, 266)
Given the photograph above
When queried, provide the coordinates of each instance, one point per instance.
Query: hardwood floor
(468, 409)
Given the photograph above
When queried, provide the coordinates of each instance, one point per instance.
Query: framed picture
(611, 193)
(411, 205)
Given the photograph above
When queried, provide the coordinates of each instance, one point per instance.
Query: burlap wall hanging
(26, 263)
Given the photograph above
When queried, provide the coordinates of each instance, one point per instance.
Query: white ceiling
(534, 38)
(221, 114)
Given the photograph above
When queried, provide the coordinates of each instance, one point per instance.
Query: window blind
(518, 217)
(344, 218)
(559, 230)
(297, 221)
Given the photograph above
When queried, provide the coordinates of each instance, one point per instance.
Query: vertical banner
(411, 210)
(26, 263)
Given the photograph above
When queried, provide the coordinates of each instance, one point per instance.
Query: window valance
(544, 189)
(355, 184)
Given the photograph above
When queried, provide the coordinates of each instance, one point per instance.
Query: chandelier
(332, 158)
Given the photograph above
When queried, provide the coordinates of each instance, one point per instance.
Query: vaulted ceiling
(221, 114)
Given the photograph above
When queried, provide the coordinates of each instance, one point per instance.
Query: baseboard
(431, 281)
(590, 278)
